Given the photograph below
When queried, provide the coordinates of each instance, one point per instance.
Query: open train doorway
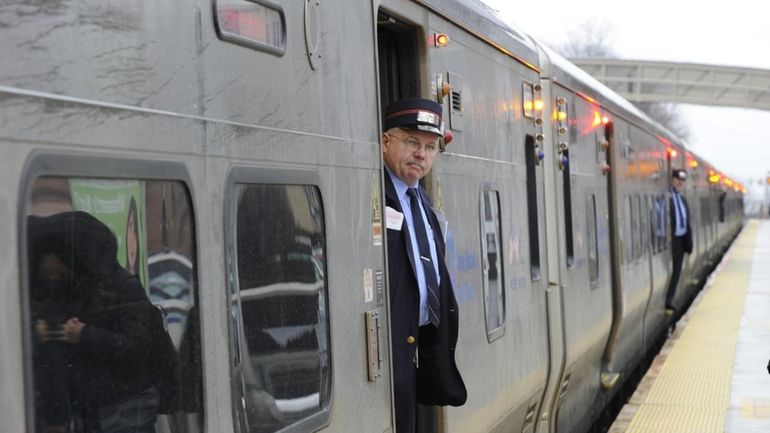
(399, 58)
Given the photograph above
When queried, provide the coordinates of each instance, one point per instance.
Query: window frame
(226, 36)
(89, 166)
(498, 331)
(250, 175)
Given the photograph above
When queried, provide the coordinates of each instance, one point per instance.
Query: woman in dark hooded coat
(101, 316)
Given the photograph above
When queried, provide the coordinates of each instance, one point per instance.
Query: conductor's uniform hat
(679, 174)
(414, 113)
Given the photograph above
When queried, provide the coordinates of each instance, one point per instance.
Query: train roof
(569, 75)
(487, 24)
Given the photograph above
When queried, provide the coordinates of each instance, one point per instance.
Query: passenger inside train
(102, 356)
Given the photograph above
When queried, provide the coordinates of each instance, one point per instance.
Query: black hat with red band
(414, 113)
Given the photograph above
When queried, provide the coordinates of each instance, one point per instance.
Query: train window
(662, 223)
(628, 228)
(722, 197)
(112, 306)
(532, 218)
(491, 253)
(567, 184)
(279, 325)
(705, 204)
(593, 245)
(637, 230)
(649, 208)
(655, 211)
(254, 23)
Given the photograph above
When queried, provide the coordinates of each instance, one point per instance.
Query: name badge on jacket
(393, 218)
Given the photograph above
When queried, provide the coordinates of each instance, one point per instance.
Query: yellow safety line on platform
(692, 391)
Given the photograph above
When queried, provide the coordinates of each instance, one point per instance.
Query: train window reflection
(491, 256)
(279, 322)
(112, 306)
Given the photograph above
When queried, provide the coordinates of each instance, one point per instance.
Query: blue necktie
(425, 258)
(680, 225)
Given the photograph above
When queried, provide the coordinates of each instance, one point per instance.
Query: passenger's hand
(41, 330)
(71, 330)
(44, 333)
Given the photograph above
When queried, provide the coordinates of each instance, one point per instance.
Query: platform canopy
(687, 83)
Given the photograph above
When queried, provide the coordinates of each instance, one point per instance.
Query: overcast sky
(734, 33)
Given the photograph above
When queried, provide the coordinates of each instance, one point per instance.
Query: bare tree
(668, 115)
(593, 39)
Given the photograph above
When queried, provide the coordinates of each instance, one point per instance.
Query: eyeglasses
(414, 144)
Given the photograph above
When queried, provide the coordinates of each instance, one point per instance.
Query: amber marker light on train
(694, 164)
(672, 153)
(528, 100)
(529, 106)
(440, 40)
(586, 97)
(597, 119)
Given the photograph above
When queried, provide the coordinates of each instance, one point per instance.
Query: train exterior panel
(238, 142)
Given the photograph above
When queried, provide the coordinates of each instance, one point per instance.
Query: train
(246, 133)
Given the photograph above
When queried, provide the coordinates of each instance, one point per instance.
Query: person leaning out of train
(424, 313)
(99, 341)
(681, 234)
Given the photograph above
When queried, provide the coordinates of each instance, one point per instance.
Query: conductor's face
(678, 184)
(409, 154)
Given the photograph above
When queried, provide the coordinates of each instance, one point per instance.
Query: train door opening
(399, 58)
(617, 255)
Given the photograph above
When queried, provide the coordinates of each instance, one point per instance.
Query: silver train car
(232, 149)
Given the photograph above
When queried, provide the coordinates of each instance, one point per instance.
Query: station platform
(711, 375)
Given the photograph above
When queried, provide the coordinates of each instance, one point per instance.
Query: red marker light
(448, 137)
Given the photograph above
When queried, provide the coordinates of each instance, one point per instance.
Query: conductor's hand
(71, 330)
